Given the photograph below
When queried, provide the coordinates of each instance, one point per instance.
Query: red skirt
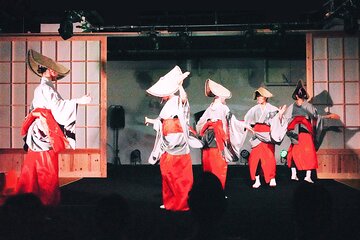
(177, 180)
(303, 154)
(39, 175)
(214, 162)
(265, 154)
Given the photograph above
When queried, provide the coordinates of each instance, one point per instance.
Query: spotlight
(184, 39)
(153, 35)
(66, 26)
(244, 156)
(283, 153)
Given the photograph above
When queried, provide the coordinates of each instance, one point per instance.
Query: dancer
(49, 128)
(172, 142)
(222, 134)
(269, 129)
(304, 129)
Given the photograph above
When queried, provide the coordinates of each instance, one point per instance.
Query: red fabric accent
(171, 126)
(300, 120)
(177, 180)
(58, 139)
(303, 153)
(265, 153)
(220, 135)
(261, 127)
(214, 162)
(39, 175)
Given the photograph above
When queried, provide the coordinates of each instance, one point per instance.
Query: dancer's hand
(282, 109)
(84, 99)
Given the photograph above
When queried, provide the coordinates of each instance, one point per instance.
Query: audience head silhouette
(207, 205)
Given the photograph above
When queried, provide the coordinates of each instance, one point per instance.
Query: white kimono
(64, 112)
(267, 116)
(234, 128)
(174, 143)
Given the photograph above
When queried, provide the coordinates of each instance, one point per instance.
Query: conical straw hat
(35, 59)
(169, 83)
(213, 89)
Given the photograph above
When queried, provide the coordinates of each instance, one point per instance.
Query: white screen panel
(5, 136)
(93, 50)
(319, 48)
(335, 70)
(18, 96)
(80, 137)
(93, 72)
(30, 92)
(93, 138)
(78, 90)
(5, 117)
(320, 70)
(352, 115)
(336, 92)
(351, 70)
(78, 72)
(5, 72)
(78, 50)
(63, 50)
(31, 76)
(352, 92)
(35, 45)
(94, 91)
(80, 116)
(18, 116)
(319, 97)
(17, 141)
(351, 47)
(335, 48)
(5, 94)
(93, 116)
(64, 90)
(19, 72)
(5, 51)
(19, 50)
(49, 49)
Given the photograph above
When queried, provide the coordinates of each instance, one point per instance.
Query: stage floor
(264, 213)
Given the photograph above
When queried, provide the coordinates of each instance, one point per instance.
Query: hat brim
(168, 84)
(213, 89)
(35, 59)
(263, 92)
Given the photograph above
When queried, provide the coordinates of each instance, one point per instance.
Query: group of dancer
(221, 136)
(49, 128)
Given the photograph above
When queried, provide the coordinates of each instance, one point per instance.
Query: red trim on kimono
(212, 158)
(265, 153)
(303, 153)
(58, 139)
(300, 120)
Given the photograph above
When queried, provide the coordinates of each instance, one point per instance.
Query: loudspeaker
(116, 116)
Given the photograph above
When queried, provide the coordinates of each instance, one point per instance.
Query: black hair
(41, 69)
